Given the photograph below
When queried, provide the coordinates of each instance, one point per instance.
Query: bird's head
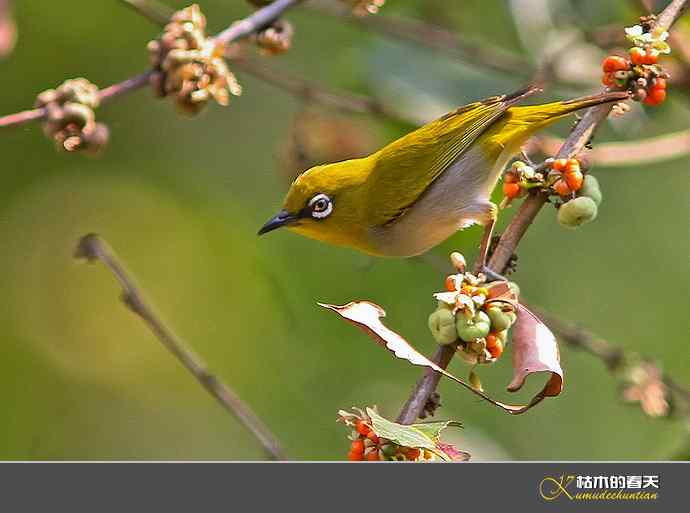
(327, 203)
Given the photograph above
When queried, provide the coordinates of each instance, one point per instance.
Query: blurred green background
(181, 200)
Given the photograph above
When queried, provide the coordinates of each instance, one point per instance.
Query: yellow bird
(420, 189)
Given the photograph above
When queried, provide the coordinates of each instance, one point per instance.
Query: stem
(255, 22)
(92, 247)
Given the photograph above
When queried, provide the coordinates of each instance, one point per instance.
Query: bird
(420, 189)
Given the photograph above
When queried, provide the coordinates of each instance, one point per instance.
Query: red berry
(659, 83)
(511, 190)
(572, 165)
(574, 180)
(561, 187)
(355, 456)
(373, 437)
(559, 165)
(655, 97)
(494, 345)
(450, 283)
(510, 177)
(614, 63)
(373, 456)
(651, 56)
(412, 454)
(607, 80)
(637, 55)
(362, 428)
(357, 446)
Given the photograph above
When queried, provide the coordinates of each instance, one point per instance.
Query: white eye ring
(320, 213)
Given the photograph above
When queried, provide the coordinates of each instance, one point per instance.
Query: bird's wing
(408, 166)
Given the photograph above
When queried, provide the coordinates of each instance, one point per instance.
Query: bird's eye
(321, 206)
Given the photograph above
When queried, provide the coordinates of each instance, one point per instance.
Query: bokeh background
(181, 200)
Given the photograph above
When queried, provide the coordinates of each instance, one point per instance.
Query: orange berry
(450, 283)
(637, 55)
(496, 346)
(362, 428)
(659, 83)
(651, 56)
(373, 456)
(511, 190)
(614, 63)
(655, 97)
(572, 165)
(412, 454)
(559, 165)
(510, 177)
(561, 187)
(607, 79)
(357, 446)
(574, 180)
(373, 437)
(355, 456)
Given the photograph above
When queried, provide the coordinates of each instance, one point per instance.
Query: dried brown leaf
(367, 316)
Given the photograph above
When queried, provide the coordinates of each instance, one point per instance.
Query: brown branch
(92, 247)
(513, 234)
(238, 30)
(152, 10)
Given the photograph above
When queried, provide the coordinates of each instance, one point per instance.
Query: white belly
(457, 199)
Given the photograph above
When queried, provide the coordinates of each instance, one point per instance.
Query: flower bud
(442, 326)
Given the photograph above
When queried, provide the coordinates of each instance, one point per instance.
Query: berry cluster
(368, 446)
(568, 176)
(472, 314)
(70, 120)
(190, 65)
(579, 193)
(640, 71)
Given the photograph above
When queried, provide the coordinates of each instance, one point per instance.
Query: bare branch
(238, 30)
(92, 247)
(152, 10)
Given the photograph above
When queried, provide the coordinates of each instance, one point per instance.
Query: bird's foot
(492, 275)
(511, 266)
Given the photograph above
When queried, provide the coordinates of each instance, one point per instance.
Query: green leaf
(433, 429)
(407, 436)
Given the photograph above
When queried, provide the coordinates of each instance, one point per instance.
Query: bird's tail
(531, 118)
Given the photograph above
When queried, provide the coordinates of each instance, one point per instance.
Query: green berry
(499, 319)
(471, 329)
(577, 212)
(590, 189)
(442, 326)
(515, 288)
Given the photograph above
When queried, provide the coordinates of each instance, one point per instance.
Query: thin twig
(92, 247)
(238, 30)
(513, 234)
(153, 10)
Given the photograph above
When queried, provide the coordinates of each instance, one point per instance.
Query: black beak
(281, 219)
